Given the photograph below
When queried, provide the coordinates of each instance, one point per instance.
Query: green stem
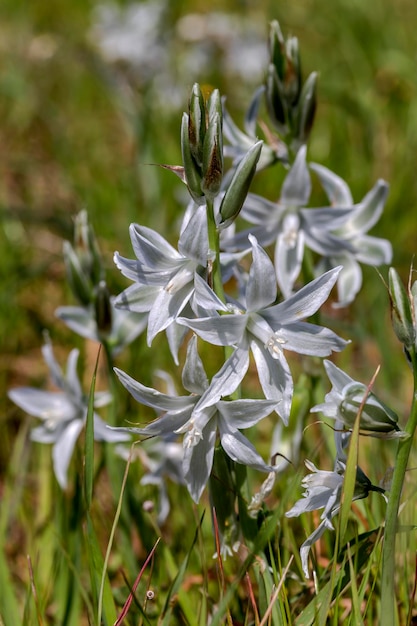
(388, 552)
(215, 276)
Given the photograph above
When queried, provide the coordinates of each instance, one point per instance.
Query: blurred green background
(91, 95)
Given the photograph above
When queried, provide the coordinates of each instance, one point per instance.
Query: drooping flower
(323, 490)
(200, 416)
(267, 329)
(345, 400)
(63, 412)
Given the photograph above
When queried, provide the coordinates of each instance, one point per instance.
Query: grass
(78, 132)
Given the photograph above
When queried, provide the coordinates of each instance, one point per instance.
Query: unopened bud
(238, 189)
(213, 158)
(197, 124)
(79, 283)
(307, 108)
(401, 310)
(103, 309)
(191, 171)
(376, 416)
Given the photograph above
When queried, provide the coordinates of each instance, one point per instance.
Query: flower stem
(388, 552)
(214, 274)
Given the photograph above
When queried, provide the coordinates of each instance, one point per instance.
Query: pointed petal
(63, 449)
(194, 377)
(244, 413)
(304, 303)
(288, 260)
(275, 378)
(138, 298)
(44, 404)
(221, 330)
(296, 188)
(349, 281)
(337, 377)
(227, 379)
(151, 249)
(78, 319)
(305, 338)
(368, 212)
(374, 251)
(73, 384)
(193, 242)
(262, 284)
(204, 297)
(166, 308)
(335, 187)
(240, 449)
(198, 461)
(152, 397)
(175, 336)
(55, 370)
(103, 433)
(258, 210)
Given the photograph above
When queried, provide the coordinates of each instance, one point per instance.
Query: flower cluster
(257, 310)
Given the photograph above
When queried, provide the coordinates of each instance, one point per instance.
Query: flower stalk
(388, 552)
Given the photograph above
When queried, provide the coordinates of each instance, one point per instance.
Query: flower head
(62, 412)
(347, 397)
(267, 329)
(199, 417)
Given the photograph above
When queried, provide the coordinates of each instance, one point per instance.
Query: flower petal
(262, 284)
(296, 188)
(194, 377)
(304, 303)
(275, 378)
(63, 449)
(198, 461)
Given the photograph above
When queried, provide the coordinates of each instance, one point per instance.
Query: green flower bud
(103, 310)
(191, 170)
(86, 248)
(214, 106)
(275, 100)
(292, 75)
(197, 124)
(213, 158)
(401, 310)
(277, 48)
(238, 189)
(307, 108)
(376, 416)
(78, 281)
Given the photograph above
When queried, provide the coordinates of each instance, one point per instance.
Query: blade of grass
(130, 598)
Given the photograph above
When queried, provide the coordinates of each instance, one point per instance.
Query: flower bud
(307, 108)
(86, 248)
(191, 170)
(238, 189)
(197, 124)
(277, 48)
(79, 284)
(275, 100)
(401, 310)
(213, 158)
(103, 309)
(376, 416)
(292, 75)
